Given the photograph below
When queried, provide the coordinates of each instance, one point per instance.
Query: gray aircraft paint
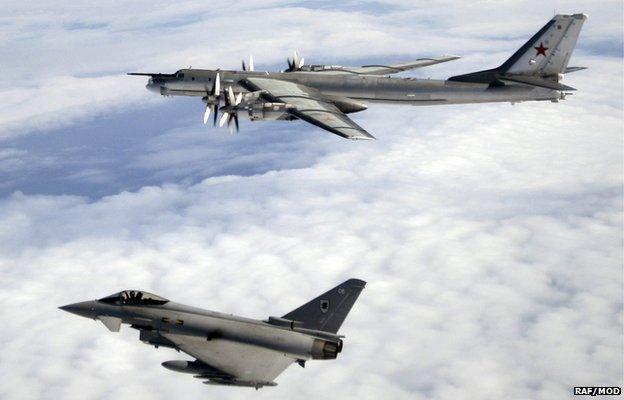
(374, 89)
(276, 342)
(532, 73)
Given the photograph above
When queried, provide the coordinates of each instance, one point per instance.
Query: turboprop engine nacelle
(326, 349)
(264, 111)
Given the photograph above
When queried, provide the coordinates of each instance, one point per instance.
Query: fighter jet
(323, 95)
(230, 350)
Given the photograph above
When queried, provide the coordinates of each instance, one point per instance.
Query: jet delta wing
(245, 364)
(230, 350)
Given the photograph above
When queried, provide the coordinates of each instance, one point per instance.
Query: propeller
(213, 100)
(296, 63)
(230, 110)
(251, 64)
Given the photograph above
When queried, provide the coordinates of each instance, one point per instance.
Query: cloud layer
(490, 235)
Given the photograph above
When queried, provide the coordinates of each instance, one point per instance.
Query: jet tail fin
(328, 311)
(545, 55)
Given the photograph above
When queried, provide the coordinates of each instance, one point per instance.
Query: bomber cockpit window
(134, 297)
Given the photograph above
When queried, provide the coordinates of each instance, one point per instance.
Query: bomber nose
(153, 86)
(84, 309)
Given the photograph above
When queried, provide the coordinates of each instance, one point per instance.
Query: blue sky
(490, 235)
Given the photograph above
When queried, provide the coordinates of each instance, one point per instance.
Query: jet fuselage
(185, 320)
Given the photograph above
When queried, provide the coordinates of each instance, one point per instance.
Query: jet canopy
(134, 297)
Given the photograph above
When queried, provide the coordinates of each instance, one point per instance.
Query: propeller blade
(296, 60)
(243, 64)
(230, 124)
(233, 123)
(217, 86)
(239, 98)
(290, 65)
(215, 114)
(251, 64)
(206, 114)
(300, 63)
(224, 118)
(230, 95)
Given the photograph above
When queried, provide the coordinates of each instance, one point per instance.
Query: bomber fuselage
(361, 88)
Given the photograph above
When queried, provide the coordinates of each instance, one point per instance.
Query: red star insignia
(541, 50)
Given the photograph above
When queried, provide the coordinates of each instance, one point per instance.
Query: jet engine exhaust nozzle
(326, 349)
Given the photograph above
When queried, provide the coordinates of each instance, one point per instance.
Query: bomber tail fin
(543, 57)
(328, 311)
(549, 50)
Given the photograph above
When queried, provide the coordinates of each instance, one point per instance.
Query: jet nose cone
(84, 309)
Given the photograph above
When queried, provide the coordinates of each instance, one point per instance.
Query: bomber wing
(307, 104)
(235, 363)
(400, 67)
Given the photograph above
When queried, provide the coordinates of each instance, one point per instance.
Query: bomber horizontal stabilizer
(536, 81)
(573, 69)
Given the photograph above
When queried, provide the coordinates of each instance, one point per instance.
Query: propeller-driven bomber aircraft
(323, 94)
(230, 350)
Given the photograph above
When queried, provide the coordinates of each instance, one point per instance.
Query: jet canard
(230, 350)
(323, 95)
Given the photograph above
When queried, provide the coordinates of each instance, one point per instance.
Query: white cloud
(490, 235)
(484, 278)
(65, 99)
